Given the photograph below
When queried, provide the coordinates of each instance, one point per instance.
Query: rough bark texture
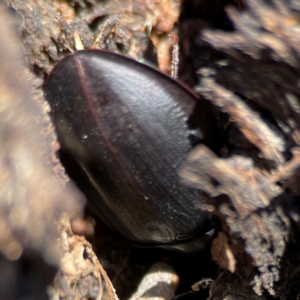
(254, 187)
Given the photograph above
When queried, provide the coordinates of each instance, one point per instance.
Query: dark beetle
(124, 130)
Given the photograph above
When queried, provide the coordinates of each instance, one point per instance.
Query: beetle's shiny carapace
(124, 130)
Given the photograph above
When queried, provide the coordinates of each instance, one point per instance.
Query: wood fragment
(249, 122)
(81, 275)
(160, 283)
